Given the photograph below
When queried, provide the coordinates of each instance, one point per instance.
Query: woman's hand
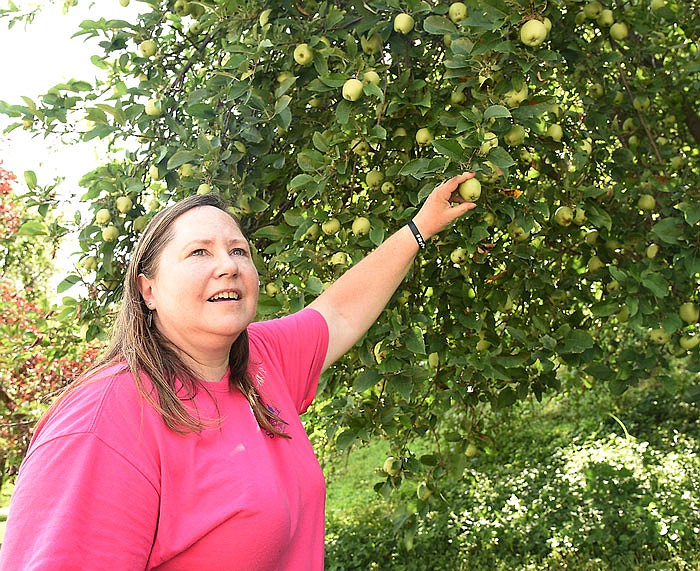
(443, 206)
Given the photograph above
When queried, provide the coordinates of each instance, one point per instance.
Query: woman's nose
(226, 265)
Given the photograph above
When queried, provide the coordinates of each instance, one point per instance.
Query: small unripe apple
(124, 3)
(689, 312)
(403, 23)
(352, 89)
(591, 237)
(374, 178)
(181, 7)
(360, 226)
(359, 147)
(595, 264)
(371, 45)
(185, 170)
(303, 54)
(533, 33)
(606, 18)
(148, 48)
(392, 466)
(593, 9)
(204, 188)
(689, 341)
(264, 17)
(331, 226)
(652, 250)
(489, 141)
(470, 189)
(423, 136)
(564, 216)
(657, 5)
(457, 12)
(660, 336)
(579, 216)
(619, 31)
(677, 162)
(371, 76)
(90, 263)
(471, 450)
(140, 223)
(340, 259)
(423, 492)
(153, 107)
(555, 132)
(272, 289)
(457, 97)
(124, 204)
(515, 136)
(641, 102)
(103, 216)
(388, 187)
(110, 233)
(518, 233)
(434, 360)
(646, 202)
(458, 255)
(514, 97)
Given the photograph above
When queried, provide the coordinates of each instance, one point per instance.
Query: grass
(583, 481)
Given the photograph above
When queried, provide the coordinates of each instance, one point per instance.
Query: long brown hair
(147, 351)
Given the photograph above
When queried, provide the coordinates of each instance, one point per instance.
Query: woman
(183, 449)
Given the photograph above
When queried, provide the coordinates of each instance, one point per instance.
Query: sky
(36, 57)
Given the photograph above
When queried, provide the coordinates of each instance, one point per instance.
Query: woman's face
(205, 290)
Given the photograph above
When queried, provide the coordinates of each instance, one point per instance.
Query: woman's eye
(198, 252)
(239, 252)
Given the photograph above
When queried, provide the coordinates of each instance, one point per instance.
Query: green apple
(514, 97)
(470, 189)
(533, 33)
(629, 125)
(371, 76)
(660, 336)
(374, 178)
(689, 312)
(457, 97)
(471, 450)
(371, 45)
(423, 492)
(515, 136)
(185, 170)
(181, 7)
(657, 5)
(388, 187)
(457, 12)
(284, 76)
(490, 218)
(593, 9)
(361, 226)
(641, 102)
(148, 48)
(591, 237)
(624, 314)
(204, 188)
(564, 216)
(124, 204)
(689, 341)
(359, 147)
(90, 263)
(579, 216)
(352, 89)
(458, 255)
(595, 264)
(272, 289)
(646, 202)
(103, 216)
(555, 132)
(677, 162)
(489, 141)
(140, 223)
(403, 23)
(424, 136)
(340, 259)
(153, 107)
(331, 226)
(606, 18)
(518, 233)
(392, 466)
(619, 31)
(110, 233)
(596, 90)
(303, 54)
(652, 250)
(434, 360)
(124, 3)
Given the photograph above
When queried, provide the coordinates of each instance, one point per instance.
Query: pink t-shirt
(106, 485)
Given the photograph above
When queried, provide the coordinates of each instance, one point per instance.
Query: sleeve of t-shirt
(87, 507)
(298, 344)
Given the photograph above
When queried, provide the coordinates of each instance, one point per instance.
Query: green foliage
(563, 486)
(216, 102)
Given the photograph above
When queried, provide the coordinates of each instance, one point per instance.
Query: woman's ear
(146, 289)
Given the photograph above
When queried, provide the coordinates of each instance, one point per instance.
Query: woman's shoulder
(102, 399)
(294, 325)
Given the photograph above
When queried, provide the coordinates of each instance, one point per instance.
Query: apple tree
(327, 124)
